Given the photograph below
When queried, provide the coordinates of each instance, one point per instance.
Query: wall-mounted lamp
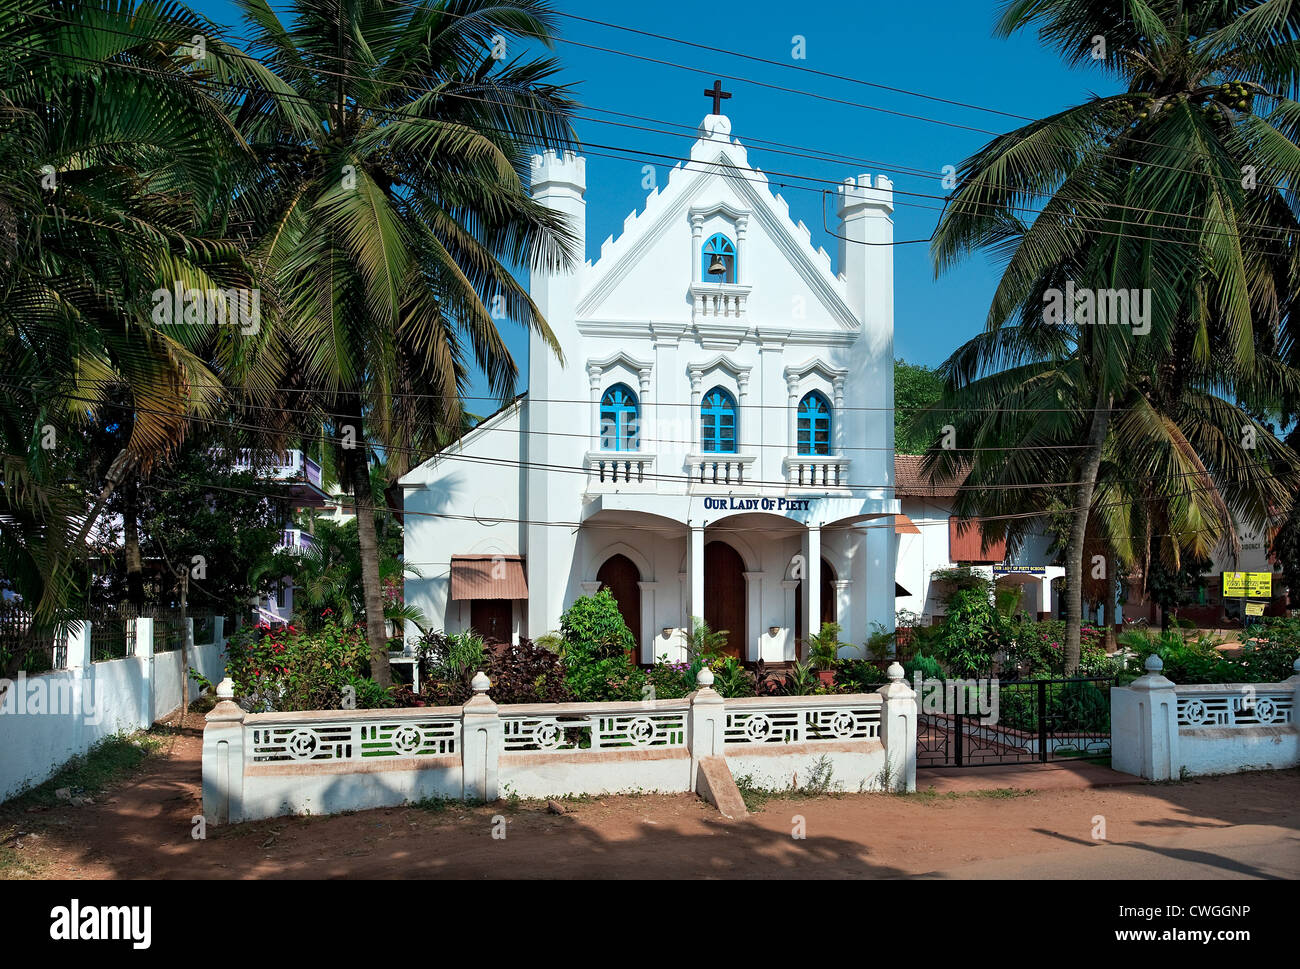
(773, 630)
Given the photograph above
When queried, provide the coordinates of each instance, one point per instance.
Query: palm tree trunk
(358, 470)
(131, 541)
(1108, 611)
(1079, 527)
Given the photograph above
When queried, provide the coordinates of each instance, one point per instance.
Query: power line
(1270, 230)
(532, 465)
(955, 408)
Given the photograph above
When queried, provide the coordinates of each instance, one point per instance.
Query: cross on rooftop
(718, 96)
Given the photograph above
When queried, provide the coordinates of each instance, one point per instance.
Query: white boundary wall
(324, 762)
(47, 719)
(1162, 731)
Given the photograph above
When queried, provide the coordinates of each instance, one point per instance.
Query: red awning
(488, 577)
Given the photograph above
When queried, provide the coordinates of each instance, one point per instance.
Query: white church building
(722, 416)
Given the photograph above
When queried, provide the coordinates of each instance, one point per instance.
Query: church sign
(757, 504)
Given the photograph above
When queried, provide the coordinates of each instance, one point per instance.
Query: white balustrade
(816, 471)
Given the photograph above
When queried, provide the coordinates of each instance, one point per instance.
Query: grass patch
(112, 759)
(930, 795)
(820, 783)
(12, 863)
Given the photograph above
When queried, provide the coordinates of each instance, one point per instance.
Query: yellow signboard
(1254, 608)
(1253, 585)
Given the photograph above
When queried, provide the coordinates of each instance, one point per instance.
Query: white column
(742, 262)
(792, 422)
(593, 385)
(812, 580)
(754, 616)
(697, 248)
(649, 629)
(745, 435)
(697, 575)
(644, 418)
(844, 613)
(837, 421)
(697, 378)
(789, 651)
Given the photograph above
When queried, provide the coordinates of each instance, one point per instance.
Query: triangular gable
(692, 188)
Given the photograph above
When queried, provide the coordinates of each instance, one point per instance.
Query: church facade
(717, 442)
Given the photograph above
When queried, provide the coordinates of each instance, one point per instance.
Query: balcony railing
(720, 469)
(296, 540)
(620, 468)
(719, 301)
(816, 471)
(290, 465)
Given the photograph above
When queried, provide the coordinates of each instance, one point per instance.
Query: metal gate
(966, 723)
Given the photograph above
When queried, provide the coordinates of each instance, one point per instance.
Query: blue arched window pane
(718, 422)
(722, 247)
(620, 420)
(814, 424)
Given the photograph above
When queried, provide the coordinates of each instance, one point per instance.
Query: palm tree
(393, 198)
(1178, 189)
(113, 167)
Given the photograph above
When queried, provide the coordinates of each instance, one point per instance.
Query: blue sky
(943, 48)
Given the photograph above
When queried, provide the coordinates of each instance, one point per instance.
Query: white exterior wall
(638, 315)
(467, 508)
(114, 696)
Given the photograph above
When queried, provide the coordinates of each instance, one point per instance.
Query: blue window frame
(620, 414)
(722, 247)
(718, 422)
(814, 424)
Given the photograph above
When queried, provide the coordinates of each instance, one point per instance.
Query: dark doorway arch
(724, 595)
(622, 578)
(830, 605)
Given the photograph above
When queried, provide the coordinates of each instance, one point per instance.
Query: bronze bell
(717, 267)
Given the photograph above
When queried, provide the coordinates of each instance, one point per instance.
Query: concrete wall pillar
(482, 738)
(1144, 726)
(697, 576)
(706, 722)
(223, 758)
(898, 729)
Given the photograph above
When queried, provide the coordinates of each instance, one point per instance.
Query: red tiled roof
(911, 482)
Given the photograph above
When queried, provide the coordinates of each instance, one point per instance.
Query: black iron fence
(964, 723)
(29, 646)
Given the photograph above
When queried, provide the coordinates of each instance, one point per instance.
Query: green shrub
(732, 679)
(972, 631)
(924, 664)
(594, 629)
(1198, 661)
(283, 668)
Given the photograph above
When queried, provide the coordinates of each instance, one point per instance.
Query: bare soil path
(1242, 826)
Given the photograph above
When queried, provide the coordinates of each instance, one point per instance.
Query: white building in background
(723, 415)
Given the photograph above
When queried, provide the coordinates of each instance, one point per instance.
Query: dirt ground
(1243, 826)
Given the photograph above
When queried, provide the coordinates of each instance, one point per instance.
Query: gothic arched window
(814, 424)
(722, 249)
(620, 420)
(718, 422)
